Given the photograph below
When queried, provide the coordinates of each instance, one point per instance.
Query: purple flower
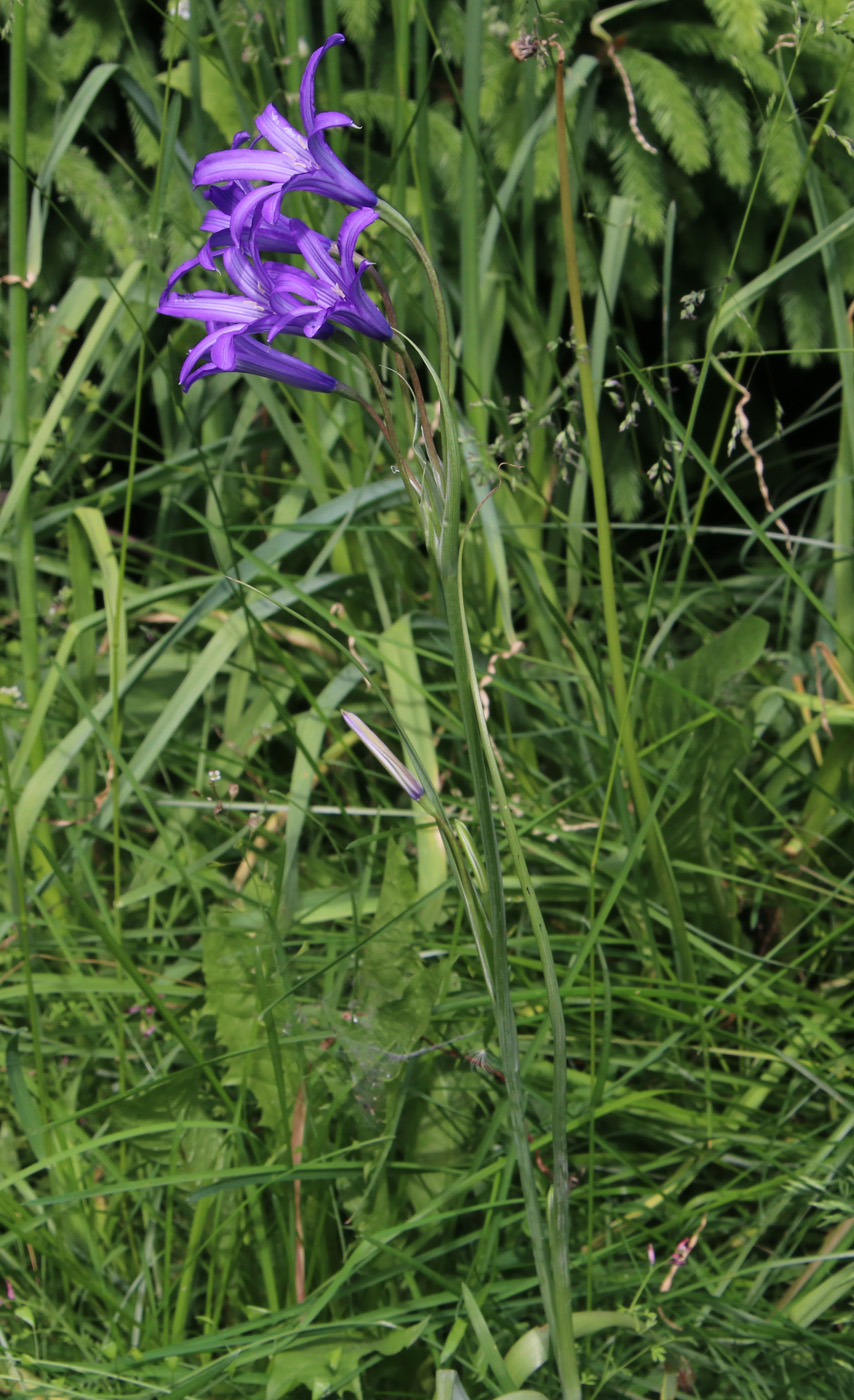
(336, 288)
(231, 323)
(296, 162)
(242, 355)
(276, 234)
(273, 298)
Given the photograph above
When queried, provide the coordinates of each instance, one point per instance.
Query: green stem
(396, 221)
(20, 913)
(496, 914)
(25, 567)
(472, 338)
(24, 555)
(554, 1280)
(563, 1342)
(655, 845)
(552, 1272)
(184, 1294)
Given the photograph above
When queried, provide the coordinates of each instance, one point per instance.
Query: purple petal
(204, 345)
(253, 357)
(306, 87)
(298, 162)
(247, 276)
(327, 119)
(390, 762)
(249, 356)
(215, 220)
(285, 138)
(206, 254)
(223, 354)
(347, 187)
(318, 259)
(177, 275)
(211, 306)
(246, 210)
(353, 225)
(273, 166)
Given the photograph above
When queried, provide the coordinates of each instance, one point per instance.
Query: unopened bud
(383, 753)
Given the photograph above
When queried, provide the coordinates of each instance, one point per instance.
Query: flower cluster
(245, 221)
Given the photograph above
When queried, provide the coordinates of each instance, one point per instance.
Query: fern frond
(112, 221)
(802, 305)
(742, 21)
(545, 165)
(640, 177)
(141, 67)
(641, 278)
(781, 167)
(671, 105)
(624, 485)
(88, 39)
(38, 20)
(837, 200)
(827, 10)
(218, 97)
(176, 35)
(732, 139)
(499, 92)
(48, 61)
(451, 30)
(360, 18)
(704, 40)
(379, 107)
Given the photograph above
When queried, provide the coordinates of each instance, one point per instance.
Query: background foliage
(226, 940)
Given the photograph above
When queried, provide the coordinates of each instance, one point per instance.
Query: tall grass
(263, 1126)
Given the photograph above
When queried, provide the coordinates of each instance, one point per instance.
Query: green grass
(259, 1132)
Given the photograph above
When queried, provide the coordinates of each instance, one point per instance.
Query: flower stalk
(552, 1262)
(318, 301)
(18, 311)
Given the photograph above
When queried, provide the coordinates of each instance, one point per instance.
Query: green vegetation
(263, 1130)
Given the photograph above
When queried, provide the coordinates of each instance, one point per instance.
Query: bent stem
(395, 220)
(552, 1273)
(442, 529)
(655, 845)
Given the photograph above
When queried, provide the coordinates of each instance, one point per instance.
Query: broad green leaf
(235, 946)
(28, 1113)
(528, 1353)
(694, 684)
(92, 347)
(185, 1099)
(101, 545)
(394, 997)
(218, 98)
(394, 989)
(333, 1367)
(66, 130)
(449, 1387)
(808, 1308)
